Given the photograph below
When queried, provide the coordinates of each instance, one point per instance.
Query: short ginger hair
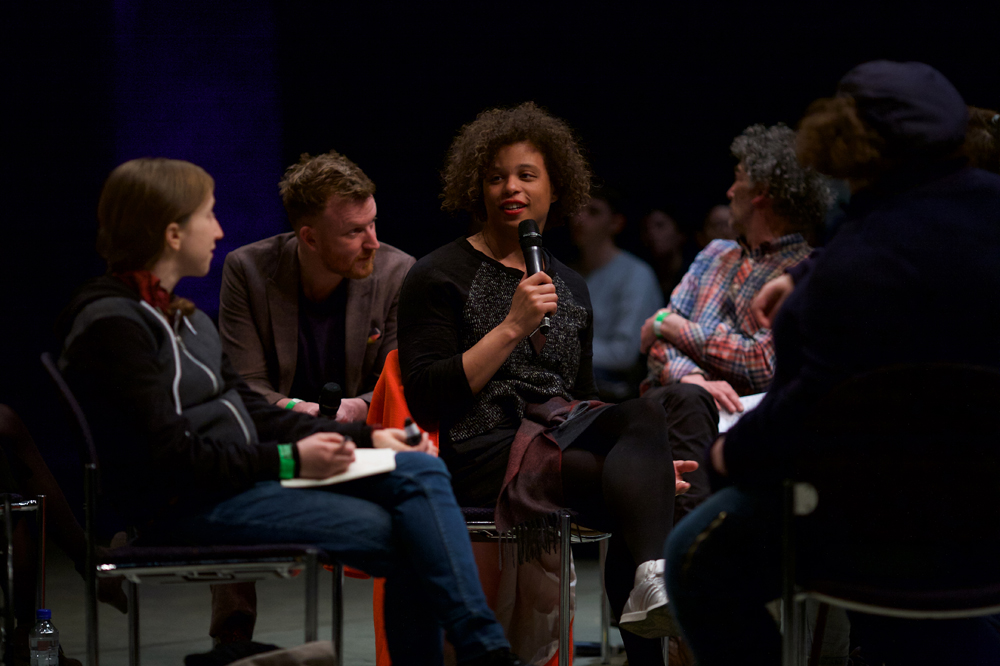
(307, 186)
(472, 153)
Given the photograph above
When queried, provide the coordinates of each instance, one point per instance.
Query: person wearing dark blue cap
(917, 252)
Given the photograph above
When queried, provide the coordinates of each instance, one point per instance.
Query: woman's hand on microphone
(534, 298)
(324, 454)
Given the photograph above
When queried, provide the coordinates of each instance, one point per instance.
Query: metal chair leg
(338, 614)
(40, 516)
(132, 590)
(8, 611)
(605, 606)
(90, 508)
(564, 571)
(789, 620)
(312, 596)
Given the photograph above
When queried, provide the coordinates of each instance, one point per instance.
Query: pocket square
(374, 335)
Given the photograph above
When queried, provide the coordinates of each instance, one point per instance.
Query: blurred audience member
(982, 147)
(623, 291)
(663, 238)
(718, 224)
(922, 235)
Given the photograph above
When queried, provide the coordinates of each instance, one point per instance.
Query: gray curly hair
(768, 156)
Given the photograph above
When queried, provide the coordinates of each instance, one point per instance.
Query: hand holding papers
(367, 462)
(728, 419)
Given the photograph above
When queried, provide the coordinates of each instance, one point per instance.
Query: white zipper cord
(177, 354)
(208, 371)
(239, 419)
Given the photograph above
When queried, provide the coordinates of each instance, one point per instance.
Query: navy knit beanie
(912, 106)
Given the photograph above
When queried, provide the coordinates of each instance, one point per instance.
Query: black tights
(619, 475)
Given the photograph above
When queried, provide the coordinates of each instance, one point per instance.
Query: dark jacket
(912, 277)
(259, 316)
(175, 426)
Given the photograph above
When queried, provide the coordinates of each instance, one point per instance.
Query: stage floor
(174, 620)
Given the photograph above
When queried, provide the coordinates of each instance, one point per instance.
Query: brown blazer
(259, 316)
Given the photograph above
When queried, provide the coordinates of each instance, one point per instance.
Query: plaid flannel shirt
(721, 338)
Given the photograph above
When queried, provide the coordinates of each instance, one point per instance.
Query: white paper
(727, 420)
(367, 462)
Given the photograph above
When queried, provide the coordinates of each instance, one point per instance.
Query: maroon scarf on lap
(532, 492)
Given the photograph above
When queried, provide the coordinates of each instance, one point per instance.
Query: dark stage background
(242, 88)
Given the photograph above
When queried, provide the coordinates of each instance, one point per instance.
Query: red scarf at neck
(148, 286)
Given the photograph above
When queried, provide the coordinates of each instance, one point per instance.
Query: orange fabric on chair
(388, 408)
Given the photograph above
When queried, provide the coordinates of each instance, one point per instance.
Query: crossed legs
(619, 475)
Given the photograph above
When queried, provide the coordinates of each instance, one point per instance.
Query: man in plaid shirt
(706, 348)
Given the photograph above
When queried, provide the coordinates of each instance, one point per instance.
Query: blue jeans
(404, 525)
(724, 564)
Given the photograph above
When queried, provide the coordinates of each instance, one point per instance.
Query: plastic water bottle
(44, 640)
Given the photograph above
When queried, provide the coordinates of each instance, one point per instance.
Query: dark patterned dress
(450, 300)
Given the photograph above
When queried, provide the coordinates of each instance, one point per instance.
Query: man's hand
(683, 467)
(351, 409)
(395, 439)
(310, 408)
(725, 395)
(768, 300)
(324, 454)
(646, 335)
(717, 457)
(671, 327)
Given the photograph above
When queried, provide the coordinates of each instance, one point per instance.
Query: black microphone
(329, 399)
(413, 435)
(534, 261)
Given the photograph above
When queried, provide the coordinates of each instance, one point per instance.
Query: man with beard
(318, 304)
(308, 307)
(707, 338)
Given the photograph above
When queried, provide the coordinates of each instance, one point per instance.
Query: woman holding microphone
(520, 427)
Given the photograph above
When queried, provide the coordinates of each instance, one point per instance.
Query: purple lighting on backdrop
(198, 81)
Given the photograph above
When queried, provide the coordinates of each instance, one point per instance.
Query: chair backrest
(85, 440)
(906, 461)
(388, 406)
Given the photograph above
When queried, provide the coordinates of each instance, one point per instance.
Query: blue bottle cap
(43, 614)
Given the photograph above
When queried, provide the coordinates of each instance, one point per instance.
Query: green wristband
(291, 405)
(658, 322)
(287, 459)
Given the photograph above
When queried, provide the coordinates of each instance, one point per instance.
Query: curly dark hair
(476, 146)
(768, 156)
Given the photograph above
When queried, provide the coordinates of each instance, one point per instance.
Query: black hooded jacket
(176, 427)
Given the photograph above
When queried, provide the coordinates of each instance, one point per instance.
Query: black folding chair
(905, 531)
(183, 564)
